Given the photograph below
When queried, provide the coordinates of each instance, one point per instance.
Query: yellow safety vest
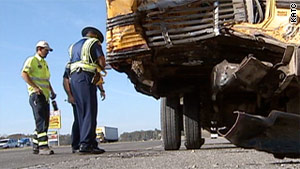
(86, 63)
(38, 71)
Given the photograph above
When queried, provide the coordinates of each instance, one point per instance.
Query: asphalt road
(217, 153)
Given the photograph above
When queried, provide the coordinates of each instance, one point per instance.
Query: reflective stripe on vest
(70, 50)
(86, 50)
(86, 62)
(85, 67)
(41, 82)
(40, 79)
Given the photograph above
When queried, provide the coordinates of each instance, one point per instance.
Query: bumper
(277, 134)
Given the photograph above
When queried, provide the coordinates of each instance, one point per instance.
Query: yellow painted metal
(120, 7)
(276, 25)
(122, 37)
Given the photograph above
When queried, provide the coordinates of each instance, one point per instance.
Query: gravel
(225, 157)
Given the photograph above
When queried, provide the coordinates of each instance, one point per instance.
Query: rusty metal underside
(279, 133)
(157, 42)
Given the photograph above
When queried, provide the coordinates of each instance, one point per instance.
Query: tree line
(141, 135)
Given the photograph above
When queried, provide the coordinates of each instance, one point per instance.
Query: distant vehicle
(24, 142)
(8, 143)
(107, 134)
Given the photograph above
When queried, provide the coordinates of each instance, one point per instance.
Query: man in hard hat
(36, 74)
(87, 60)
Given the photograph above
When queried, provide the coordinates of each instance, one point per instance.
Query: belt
(80, 69)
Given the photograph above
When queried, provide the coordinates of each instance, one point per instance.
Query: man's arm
(29, 81)
(53, 95)
(100, 59)
(67, 87)
(102, 91)
(102, 62)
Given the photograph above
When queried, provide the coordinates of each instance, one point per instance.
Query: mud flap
(279, 133)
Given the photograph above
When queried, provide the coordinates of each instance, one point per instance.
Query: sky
(22, 24)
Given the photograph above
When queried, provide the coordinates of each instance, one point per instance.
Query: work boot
(35, 150)
(97, 150)
(45, 151)
(86, 149)
(75, 150)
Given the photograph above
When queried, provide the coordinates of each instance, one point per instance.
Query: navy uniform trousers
(85, 95)
(75, 130)
(41, 110)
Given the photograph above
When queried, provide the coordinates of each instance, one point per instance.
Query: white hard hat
(44, 44)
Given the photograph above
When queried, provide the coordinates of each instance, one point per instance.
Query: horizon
(119, 134)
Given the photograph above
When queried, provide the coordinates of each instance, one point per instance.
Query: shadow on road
(286, 162)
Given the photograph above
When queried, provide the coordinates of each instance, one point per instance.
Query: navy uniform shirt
(96, 51)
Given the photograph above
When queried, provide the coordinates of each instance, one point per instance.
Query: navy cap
(86, 30)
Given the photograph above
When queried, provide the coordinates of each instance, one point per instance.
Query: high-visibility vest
(86, 63)
(38, 71)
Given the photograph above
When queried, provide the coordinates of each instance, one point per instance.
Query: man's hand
(53, 95)
(71, 99)
(102, 94)
(37, 90)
